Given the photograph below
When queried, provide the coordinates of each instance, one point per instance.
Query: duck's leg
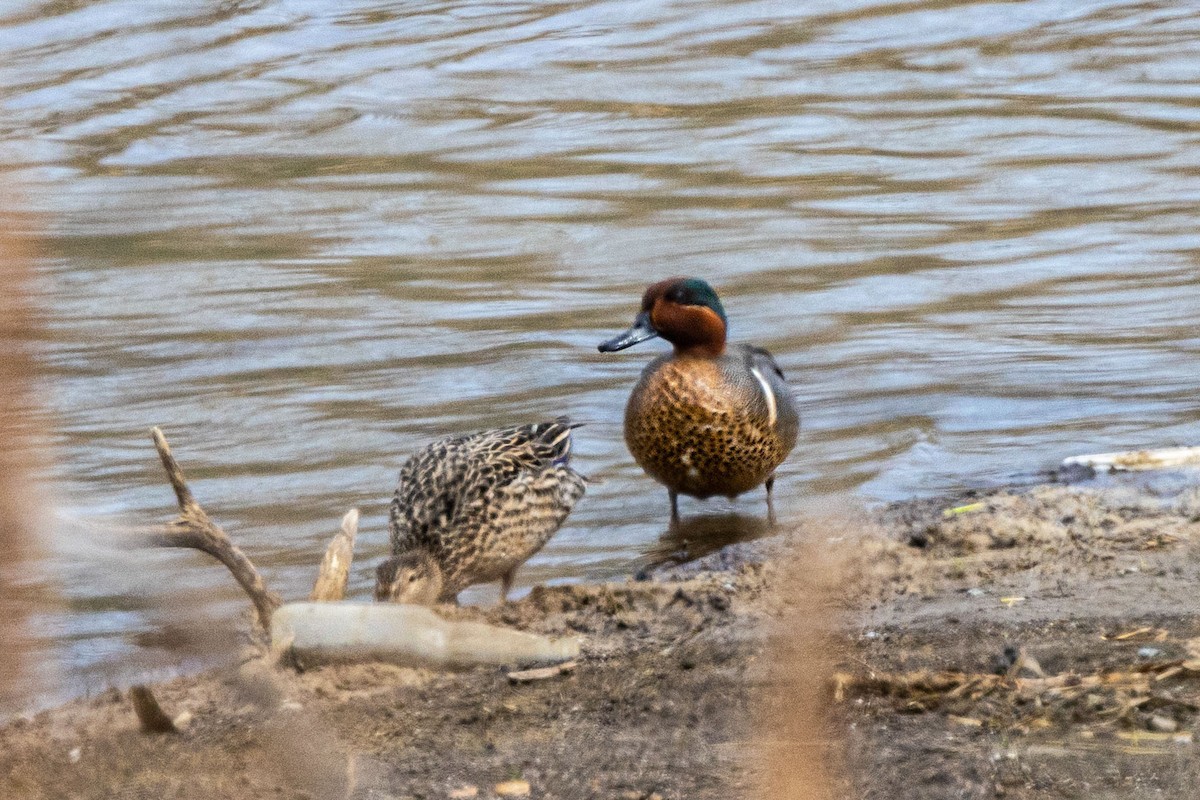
(674, 495)
(506, 582)
(770, 502)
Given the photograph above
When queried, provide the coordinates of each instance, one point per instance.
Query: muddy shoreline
(1040, 588)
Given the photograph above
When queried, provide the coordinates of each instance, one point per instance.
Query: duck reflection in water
(695, 537)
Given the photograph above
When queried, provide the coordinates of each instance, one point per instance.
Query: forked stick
(192, 528)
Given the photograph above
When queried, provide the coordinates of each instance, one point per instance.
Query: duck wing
(761, 357)
(457, 483)
(780, 402)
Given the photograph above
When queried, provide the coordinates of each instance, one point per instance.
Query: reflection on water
(695, 537)
(307, 237)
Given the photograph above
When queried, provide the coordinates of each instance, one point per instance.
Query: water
(307, 237)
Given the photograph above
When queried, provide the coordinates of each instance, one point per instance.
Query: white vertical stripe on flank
(772, 406)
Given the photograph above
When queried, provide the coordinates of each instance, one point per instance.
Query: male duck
(472, 509)
(707, 419)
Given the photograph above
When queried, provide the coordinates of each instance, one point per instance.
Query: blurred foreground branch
(22, 505)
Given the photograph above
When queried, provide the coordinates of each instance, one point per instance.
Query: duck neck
(696, 331)
(700, 350)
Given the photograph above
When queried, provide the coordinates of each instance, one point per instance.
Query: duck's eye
(678, 295)
(412, 578)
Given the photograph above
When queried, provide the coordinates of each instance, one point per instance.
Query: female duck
(472, 509)
(707, 419)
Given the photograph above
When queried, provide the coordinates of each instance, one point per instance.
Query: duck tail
(556, 436)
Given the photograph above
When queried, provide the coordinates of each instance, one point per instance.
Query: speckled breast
(704, 427)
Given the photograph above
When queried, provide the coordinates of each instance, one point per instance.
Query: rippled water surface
(307, 237)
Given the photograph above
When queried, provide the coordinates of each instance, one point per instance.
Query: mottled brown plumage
(706, 419)
(472, 509)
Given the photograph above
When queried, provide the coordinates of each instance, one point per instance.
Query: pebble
(975, 591)
(75, 754)
(512, 789)
(1149, 652)
(182, 720)
(464, 792)
(1163, 724)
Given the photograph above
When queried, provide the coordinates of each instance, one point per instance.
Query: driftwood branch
(193, 528)
(335, 566)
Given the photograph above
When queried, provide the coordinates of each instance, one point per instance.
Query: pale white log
(404, 634)
(1135, 460)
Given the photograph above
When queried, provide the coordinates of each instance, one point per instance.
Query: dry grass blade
(1133, 685)
(912, 684)
(21, 507)
(802, 750)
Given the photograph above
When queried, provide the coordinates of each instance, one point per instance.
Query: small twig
(193, 529)
(149, 713)
(335, 566)
(542, 673)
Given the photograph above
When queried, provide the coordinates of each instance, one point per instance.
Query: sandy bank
(1067, 582)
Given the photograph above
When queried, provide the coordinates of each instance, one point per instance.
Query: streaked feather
(483, 503)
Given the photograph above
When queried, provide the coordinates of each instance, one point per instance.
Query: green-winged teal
(472, 509)
(707, 419)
